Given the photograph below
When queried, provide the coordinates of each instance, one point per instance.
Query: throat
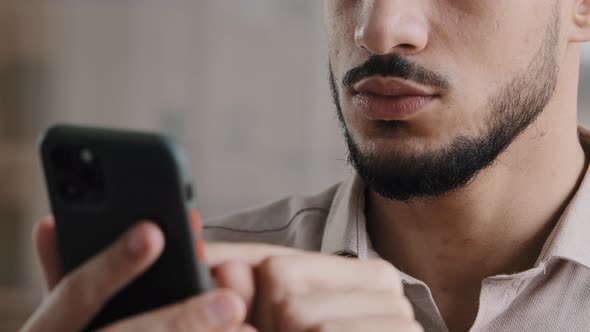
(458, 308)
(454, 263)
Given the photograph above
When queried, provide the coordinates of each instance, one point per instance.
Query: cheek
(341, 47)
(494, 41)
(340, 21)
(482, 48)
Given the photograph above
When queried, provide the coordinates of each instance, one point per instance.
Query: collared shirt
(552, 296)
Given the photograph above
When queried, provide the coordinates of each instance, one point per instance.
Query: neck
(500, 221)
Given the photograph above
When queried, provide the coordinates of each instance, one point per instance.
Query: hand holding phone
(74, 300)
(101, 182)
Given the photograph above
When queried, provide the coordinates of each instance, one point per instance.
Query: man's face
(430, 92)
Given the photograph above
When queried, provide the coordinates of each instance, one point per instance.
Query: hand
(75, 299)
(300, 291)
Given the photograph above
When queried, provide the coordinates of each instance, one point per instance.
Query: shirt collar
(570, 239)
(346, 231)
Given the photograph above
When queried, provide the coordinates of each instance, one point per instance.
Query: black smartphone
(103, 181)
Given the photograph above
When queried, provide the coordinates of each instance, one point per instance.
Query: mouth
(391, 99)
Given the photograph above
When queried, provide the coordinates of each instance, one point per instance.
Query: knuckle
(76, 289)
(399, 305)
(187, 316)
(386, 275)
(289, 316)
(406, 308)
(408, 326)
(272, 267)
(327, 326)
(274, 273)
(347, 325)
(383, 268)
(414, 326)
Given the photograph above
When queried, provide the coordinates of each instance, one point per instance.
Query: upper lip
(391, 87)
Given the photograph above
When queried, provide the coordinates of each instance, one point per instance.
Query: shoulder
(296, 221)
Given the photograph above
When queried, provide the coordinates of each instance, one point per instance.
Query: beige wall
(242, 84)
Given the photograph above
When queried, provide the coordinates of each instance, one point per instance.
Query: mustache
(395, 66)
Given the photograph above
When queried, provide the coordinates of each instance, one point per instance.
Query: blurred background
(242, 84)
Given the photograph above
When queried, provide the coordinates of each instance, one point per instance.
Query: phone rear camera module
(78, 176)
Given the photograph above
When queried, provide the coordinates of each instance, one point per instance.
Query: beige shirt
(552, 296)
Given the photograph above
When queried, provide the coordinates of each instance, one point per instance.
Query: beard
(428, 175)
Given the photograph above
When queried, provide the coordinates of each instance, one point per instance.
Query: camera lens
(71, 191)
(86, 156)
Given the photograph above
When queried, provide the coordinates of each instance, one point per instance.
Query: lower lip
(386, 108)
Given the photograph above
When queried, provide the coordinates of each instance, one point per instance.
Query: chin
(398, 144)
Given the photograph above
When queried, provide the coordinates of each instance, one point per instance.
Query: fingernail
(135, 243)
(221, 310)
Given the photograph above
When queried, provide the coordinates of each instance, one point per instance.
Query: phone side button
(189, 193)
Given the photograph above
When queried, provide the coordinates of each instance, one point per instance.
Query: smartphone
(103, 181)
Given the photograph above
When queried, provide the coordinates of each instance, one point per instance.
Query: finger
(279, 278)
(373, 324)
(45, 240)
(250, 253)
(310, 272)
(238, 277)
(246, 328)
(318, 269)
(219, 310)
(81, 294)
(301, 313)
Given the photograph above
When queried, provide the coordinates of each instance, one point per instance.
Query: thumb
(80, 295)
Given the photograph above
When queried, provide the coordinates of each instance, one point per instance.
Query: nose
(392, 26)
